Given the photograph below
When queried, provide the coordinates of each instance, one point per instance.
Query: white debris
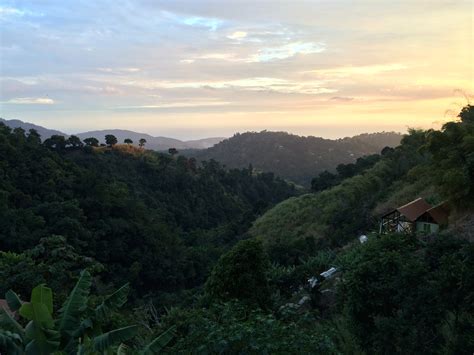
(363, 239)
(303, 300)
(328, 273)
(313, 281)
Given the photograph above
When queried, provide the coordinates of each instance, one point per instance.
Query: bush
(241, 274)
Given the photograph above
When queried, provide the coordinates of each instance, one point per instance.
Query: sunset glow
(191, 69)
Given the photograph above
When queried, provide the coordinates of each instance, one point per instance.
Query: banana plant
(76, 331)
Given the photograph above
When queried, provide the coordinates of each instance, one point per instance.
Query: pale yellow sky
(191, 69)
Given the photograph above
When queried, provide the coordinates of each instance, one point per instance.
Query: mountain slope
(154, 143)
(292, 157)
(435, 165)
(44, 132)
(155, 220)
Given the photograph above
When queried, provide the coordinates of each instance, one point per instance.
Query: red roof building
(416, 216)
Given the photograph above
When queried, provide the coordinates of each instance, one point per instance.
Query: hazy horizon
(189, 70)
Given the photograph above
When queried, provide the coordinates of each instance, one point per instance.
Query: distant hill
(154, 143)
(44, 132)
(293, 157)
(343, 212)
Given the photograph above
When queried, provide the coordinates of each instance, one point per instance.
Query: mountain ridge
(153, 142)
(293, 157)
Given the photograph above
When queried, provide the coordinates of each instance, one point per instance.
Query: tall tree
(92, 142)
(142, 142)
(74, 142)
(110, 140)
(56, 141)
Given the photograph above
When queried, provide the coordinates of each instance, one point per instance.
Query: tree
(110, 140)
(141, 142)
(128, 141)
(241, 274)
(78, 328)
(91, 142)
(74, 142)
(173, 151)
(467, 114)
(34, 137)
(387, 293)
(323, 181)
(56, 142)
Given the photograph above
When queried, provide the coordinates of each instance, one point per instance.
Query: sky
(194, 69)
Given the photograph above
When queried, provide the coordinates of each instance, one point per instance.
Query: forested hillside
(436, 165)
(154, 143)
(210, 267)
(292, 157)
(154, 220)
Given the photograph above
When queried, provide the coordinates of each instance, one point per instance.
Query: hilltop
(293, 157)
(154, 143)
(435, 165)
(219, 259)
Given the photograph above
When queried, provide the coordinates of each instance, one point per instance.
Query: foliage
(156, 222)
(159, 223)
(453, 157)
(241, 274)
(93, 142)
(292, 157)
(326, 179)
(440, 160)
(233, 328)
(397, 293)
(78, 330)
(110, 140)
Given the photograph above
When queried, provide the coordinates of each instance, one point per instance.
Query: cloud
(237, 35)
(177, 105)
(209, 23)
(119, 70)
(31, 101)
(359, 70)
(6, 11)
(257, 84)
(223, 56)
(341, 99)
(286, 51)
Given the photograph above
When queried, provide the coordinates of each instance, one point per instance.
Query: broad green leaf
(69, 319)
(11, 343)
(114, 337)
(13, 300)
(112, 302)
(44, 295)
(38, 313)
(159, 342)
(39, 340)
(7, 322)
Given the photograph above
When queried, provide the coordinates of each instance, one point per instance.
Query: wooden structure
(416, 216)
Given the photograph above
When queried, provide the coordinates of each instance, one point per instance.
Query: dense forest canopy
(292, 157)
(155, 220)
(211, 266)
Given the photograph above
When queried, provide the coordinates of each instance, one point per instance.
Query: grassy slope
(349, 208)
